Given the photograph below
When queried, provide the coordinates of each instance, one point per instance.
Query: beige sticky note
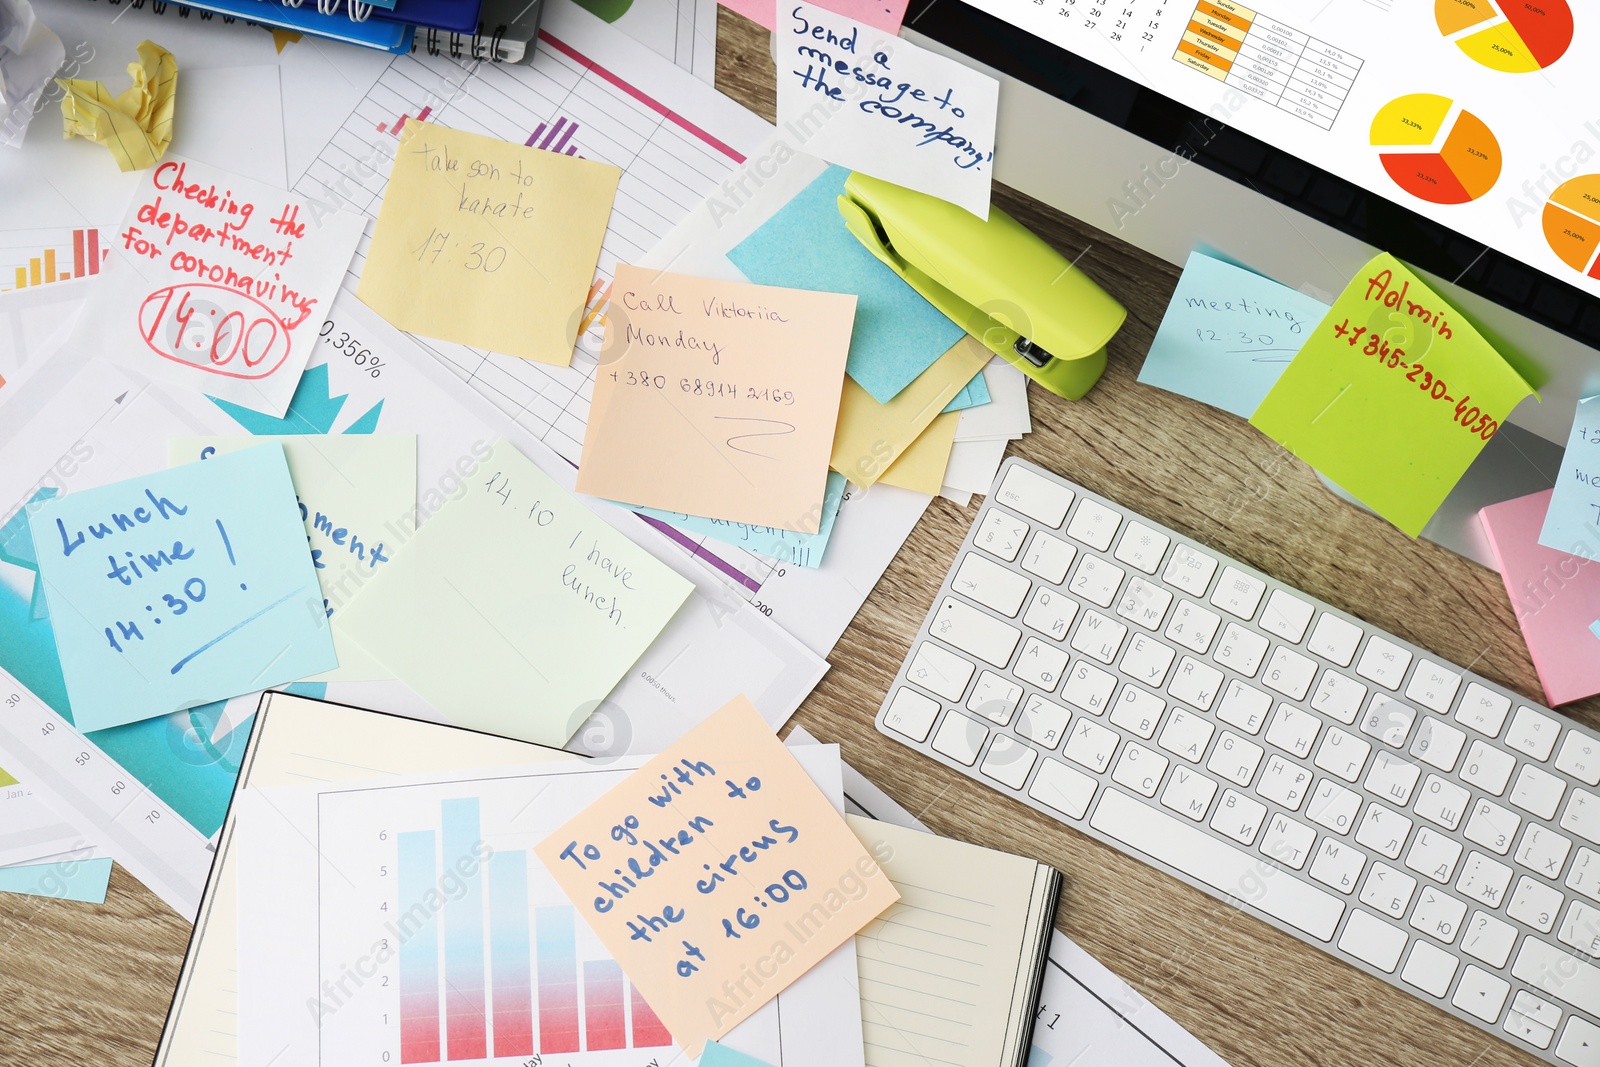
(136, 125)
(488, 243)
(921, 467)
(717, 398)
(871, 436)
(717, 860)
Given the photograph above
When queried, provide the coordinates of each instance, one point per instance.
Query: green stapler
(996, 279)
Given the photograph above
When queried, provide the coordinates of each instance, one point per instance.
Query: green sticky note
(1393, 395)
(716, 1055)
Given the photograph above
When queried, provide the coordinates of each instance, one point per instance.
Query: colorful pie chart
(1433, 156)
(1516, 36)
(1572, 223)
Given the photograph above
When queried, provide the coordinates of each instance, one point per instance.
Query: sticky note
(872, 436)
(1393, 395)
(805, 245)
(82, 880)
(135, 125)
(1228, 334)
(885, 15)
(761, 876)
(217, 283)
(515, 609)
(358, 498)
(786, 546)
(181, 587)
(1573, 522)
(974, 394)
(921, 467)
(877, 103)
(717, 398)
(1556, 597)
(488, 243)
(719, 1055)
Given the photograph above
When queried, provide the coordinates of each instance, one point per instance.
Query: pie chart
(1516, 36)
(1432, 155)
(1572, 223)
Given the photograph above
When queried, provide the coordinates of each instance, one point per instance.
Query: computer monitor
(1464, 137)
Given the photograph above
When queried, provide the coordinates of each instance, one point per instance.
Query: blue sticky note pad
(1572, 525)
(716, 1055)
(974, 394)
(82, 880)
(180, 588)
(805, 245)
(1227, 335)
(803, 550)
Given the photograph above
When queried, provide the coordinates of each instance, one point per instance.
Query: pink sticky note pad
(885, 15)
(1556, 598)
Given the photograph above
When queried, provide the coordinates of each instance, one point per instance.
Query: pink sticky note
(885, 15)
(1556, 597)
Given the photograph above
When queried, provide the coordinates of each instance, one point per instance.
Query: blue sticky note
(974, 394)
(803, 550)
(180, 588)
(82, 880)
(1227, 335)
(1572, 525)
(716, 1055)
(1594, 628)
(1038, 1057)
(805, 245)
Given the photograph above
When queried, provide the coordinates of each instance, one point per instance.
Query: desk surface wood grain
(90, 985)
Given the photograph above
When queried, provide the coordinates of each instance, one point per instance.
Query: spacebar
(1234, 873)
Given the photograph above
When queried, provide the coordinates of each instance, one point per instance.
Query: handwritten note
(180, 588)
(488, 243)
(218, 283)
(717, 399)
(717, 874)
(1393, 396)
(785, 546)
(136, 125)
(515, 609)
(1227, 335)
(873, 102)
(1573, 522)
(358, 498)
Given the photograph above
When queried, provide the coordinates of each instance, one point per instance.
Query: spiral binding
(459, 44)
(159, 7)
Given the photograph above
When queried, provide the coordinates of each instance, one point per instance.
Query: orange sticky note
(717, 398)
(717, 874)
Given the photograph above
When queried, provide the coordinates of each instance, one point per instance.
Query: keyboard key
(1234, 758)
(1493, 827)
(1241, 649)
(1049, 557)
(1384, 831)
(1433, 686)
(1094, 524)
(1537, 791)
(1483, 879)
(1062, 788)
(1035, 496)
(1543, 851)
(1008, 761)
(1096, 580)
(1088, 688)
(1441, 802)
(1438, 743)
(1286, 616)
(1040, 664)
(1193, 627)
(1488, 768)
(1238, 593)
(1438, 914)
(1245, 707)
(1388, 890)
(1534, 904)
(1434, 855)
(960, 738)
(1339, 696)
(1384, 662)
(1532, 1019)
(1342, 754)
(1480, 994)
(1284, 782)
(1582, 816)
(1580, 1043)
(1091, 745)
(910, 713)
(982, 579)
(1580, 757)
(1581, 928)
(938, 670)
(1373, 941)
(1333, 807)
(1042, 721)
(1196, 683)
(1190, 570)
(1294, 730)
(1585, 874)
(1334, 639)
(1140, 769)
(975, 632)
(1239, 817)
(1554, 972)
(1289, 673)
(1337, 866)
(1429, 968)
(1388, 720)
(1142, 548)
(1051, 613)
(1000, 534)
(1186, 735)
(1483, 709)
(1393, 777)
(1144, 603)
(1532, 733)
(1146, 661)
(1287, 841)
(1137, 711)
(1488, 939)
(994, 697)
(1099, 637)
(1189, 793)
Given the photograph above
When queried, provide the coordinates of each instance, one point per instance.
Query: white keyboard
(1399, 812)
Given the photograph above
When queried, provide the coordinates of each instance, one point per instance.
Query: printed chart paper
(180, 588)
(717, 399)
(1393, 396)
(872, 102)
(1573, 522)
(695, 870)
(488, 243)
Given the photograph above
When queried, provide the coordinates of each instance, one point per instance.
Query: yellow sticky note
(1393, 395)
(137, 124)
(717, 398)
(871, 436)
(733, 865)
(921, 467)
(488, 243)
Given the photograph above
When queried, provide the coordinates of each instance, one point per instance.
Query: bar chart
(38, 257)
(553, 137)
(393, 130)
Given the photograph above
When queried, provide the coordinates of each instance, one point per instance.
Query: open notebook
(951, 973)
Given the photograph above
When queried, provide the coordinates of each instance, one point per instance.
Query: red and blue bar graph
(419, 950)
(509, 962)
(466, 1025)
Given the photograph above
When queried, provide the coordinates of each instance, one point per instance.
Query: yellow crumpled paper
(137, 125)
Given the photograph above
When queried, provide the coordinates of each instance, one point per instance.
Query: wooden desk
(90, 985)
